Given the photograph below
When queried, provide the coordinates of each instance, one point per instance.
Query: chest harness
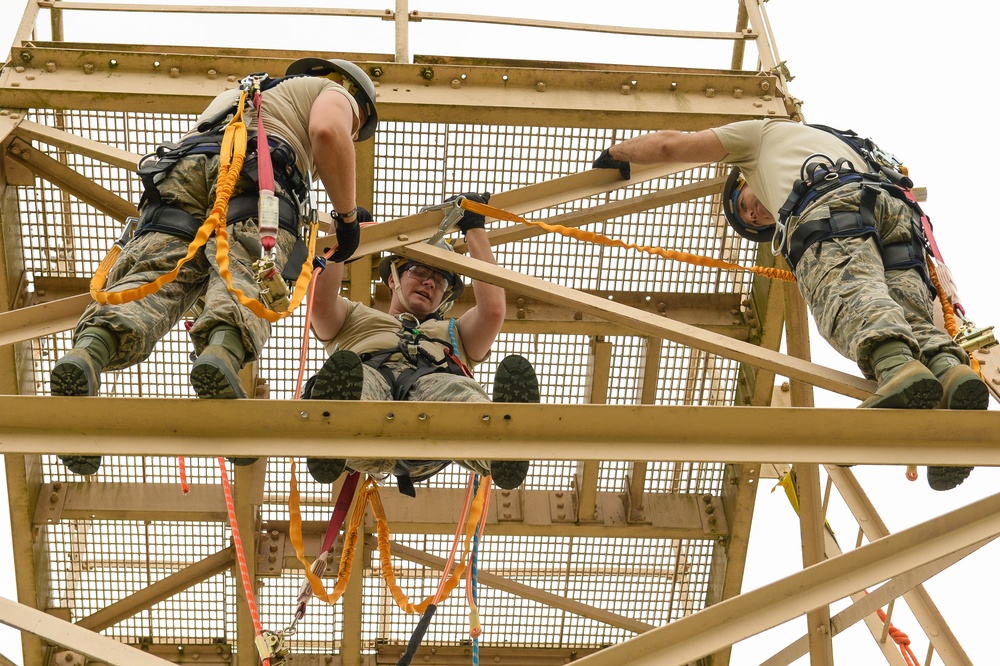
(820, 175)
(420, 360)
(421, 363)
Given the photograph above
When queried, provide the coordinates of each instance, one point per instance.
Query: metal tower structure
(659, 416)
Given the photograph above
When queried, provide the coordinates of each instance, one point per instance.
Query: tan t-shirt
(369, 330)
(286, 109)
(770, 154)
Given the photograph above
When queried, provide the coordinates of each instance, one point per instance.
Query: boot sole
(924, 393)
(341, 378)
(969, 394)
(71, 377)
(946, 478)
(212, 379)
(516, 381)
(83, 465)
(325, 470)
(509, 474)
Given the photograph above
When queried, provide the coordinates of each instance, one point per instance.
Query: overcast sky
(910, 75)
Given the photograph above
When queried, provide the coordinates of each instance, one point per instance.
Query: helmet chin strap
(441, 309)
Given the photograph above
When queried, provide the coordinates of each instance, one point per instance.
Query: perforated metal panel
(93, 563)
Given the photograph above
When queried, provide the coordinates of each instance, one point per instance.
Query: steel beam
(702, 633)
(668, 515)
(449, 431)
(528, 592)
(158, 591)
(160, 79)
(745, 352)
(866, 605)
(84, 641)
(919, 601)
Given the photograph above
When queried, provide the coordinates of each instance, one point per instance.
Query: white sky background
(914, 76)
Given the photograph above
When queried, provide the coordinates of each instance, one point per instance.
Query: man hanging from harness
(413, 352)
(842, 216)
(303, 123)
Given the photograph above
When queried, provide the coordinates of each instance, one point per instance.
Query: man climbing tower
(311, 117)
(413, 353)
(855, 244)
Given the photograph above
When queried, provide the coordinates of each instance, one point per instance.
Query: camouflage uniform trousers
(856, 303)
(435, 387)
(140, 324)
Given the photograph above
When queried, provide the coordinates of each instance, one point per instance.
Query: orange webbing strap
(252, 304)
(350, 541)
(950, 324)
(475, 512)
(232, 154)
(592, 237)
(369, 494)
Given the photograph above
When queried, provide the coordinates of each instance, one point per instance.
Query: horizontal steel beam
(113, 77)
(525, 315)
(447, 431)
(667, 515)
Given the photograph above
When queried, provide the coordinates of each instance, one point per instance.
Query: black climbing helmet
(363, 90)
(730, 198)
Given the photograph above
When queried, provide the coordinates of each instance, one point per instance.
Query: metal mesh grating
(94, 563)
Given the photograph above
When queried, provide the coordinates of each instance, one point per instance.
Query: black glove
(364, 215)
(469, 219)
(605, 161)
(348, 238)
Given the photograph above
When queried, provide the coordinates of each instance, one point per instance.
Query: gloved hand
(469, 219)
(364, 215)
(605, 161)
(348, 237)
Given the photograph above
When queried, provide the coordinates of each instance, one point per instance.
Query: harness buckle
(273, 288)
(251, 82)
(973, 339)
(271, 645)
(127, 231)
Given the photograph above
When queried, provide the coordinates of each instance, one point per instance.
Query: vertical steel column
(587, 473)
(402, 31)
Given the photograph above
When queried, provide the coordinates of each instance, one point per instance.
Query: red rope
(182, 471)
(240, 555)
(901, 640)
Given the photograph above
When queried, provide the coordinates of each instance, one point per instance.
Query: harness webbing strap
(234, 147)
(231, 158)
(844, 224)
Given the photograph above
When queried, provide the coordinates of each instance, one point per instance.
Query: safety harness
(290, 208)
(820, 175)
(410, 337)
(422, 363)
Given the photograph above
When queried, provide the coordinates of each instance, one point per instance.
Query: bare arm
(331, 132)
(329, 308)
(481, 324)
(670, 146)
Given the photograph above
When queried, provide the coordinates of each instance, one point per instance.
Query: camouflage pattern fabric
(140, 324)
(855, 302)
(436, 387)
